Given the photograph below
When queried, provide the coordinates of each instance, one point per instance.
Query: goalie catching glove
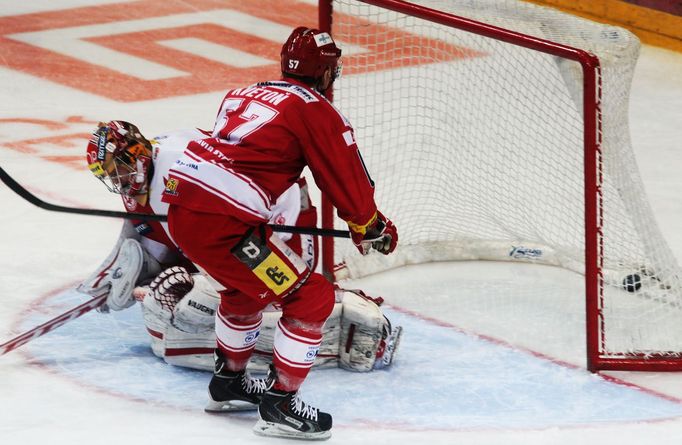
(379, 234)
(186, 301)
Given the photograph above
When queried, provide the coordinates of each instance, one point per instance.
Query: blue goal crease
(440, 379)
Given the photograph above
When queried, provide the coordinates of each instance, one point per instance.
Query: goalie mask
(308, 53)
(120, 157)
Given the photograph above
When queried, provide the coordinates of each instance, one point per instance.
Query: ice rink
(95, 381)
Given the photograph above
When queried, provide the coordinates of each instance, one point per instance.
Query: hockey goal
(498, 130)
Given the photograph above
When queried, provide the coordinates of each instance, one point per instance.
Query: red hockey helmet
(308, 52)
(120, 157)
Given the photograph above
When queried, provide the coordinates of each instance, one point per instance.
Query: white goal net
(477, 148)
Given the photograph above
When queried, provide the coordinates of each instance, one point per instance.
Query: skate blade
(231, 406)
(270, 429)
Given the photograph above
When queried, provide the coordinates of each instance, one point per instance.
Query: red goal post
(576, 97)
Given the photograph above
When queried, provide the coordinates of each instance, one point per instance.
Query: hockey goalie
(179, 311)
(178, 301)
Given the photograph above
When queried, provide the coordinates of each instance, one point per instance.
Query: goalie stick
(52, 324)
(33, 199)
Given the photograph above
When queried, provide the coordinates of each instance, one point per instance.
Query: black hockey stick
(33, 199)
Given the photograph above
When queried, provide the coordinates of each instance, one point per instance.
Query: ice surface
(455, 380)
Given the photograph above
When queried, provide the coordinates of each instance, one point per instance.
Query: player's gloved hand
(379, 234)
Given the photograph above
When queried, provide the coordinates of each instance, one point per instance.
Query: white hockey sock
(236, 339)
(294, 353)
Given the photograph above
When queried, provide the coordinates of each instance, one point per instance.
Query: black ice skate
(284, 414)
(234, 391)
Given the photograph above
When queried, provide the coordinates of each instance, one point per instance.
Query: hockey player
(221, 193)
(136, 168)
(179, 309)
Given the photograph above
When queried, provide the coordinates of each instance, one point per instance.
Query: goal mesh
(477, 149)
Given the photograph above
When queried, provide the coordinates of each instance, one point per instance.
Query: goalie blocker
(180, 322)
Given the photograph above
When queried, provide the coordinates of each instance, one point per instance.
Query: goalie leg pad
(150, 267)
(176, 347)
(368, 341)
(160, 304)
(328, 356)
(388, 347)
(193, 351)
(156, 318)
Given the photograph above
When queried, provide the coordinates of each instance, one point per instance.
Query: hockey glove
(119, 277)
(170, 286)
(379, 234)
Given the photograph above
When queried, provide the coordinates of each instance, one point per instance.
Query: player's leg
(207, 240)
(237, 327)
(307, 300)
(259, 268)
(262, 267)
(298, 336)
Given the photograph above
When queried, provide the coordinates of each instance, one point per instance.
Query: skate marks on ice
(442, 379)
